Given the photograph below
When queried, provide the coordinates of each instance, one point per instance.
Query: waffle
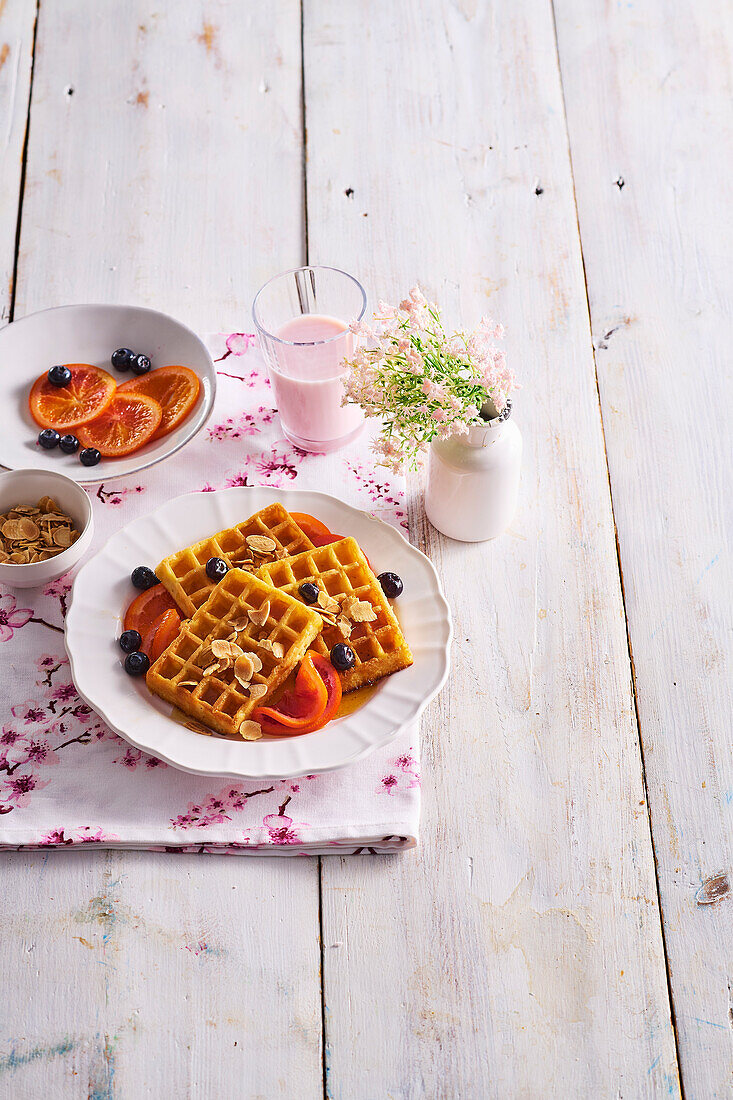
(184, 573)
(341, 570)
(219, 700)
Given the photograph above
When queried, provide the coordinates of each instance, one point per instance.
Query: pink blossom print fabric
(67, 779)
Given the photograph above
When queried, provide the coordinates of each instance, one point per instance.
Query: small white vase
(473, 481)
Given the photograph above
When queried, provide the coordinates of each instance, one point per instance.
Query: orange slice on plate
(176, 390)
(168, 628)
(146, 611)
(65, 407)
(128, 422)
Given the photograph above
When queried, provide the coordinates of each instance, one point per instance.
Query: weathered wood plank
(519, 953)
(164, 166)
(166, 156)
(648, 103)
(17, 21)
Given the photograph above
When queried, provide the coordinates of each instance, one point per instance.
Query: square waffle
(341, 570)
(184, 573)
(219, 700)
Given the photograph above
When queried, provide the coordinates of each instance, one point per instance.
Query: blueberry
(122, 359)
(130, 640)
(308, 592)
(90, 456)
(216, 568)
(140, 364)
(391, 585)
(343, 657)
(143, 578)
(136, 664)
(48, 439)
(69, 444)
(59, 376)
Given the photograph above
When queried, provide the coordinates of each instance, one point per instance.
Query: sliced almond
(228, 651)
(216, 667)
(260, 616)
(244, 669)
(328, 603)
(12, 529)
(250, 731)
(261, 544)
(28, 529)
(188, 684)
(344, 626)
(362, 612)
(278, 650)
(62, 537)
(256, 691)
(256, 662)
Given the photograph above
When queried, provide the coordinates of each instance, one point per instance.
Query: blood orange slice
(65, 407)
(174, 388)
(147, 609)
(127, 423)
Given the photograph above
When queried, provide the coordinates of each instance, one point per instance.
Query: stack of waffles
(244, 635)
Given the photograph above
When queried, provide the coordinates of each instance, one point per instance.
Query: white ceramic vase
(473, 481)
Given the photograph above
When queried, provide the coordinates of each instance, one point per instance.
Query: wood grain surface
(650, 122)
(565, 169)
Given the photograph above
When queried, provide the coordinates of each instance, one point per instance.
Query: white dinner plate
(89, 334)
(102, 590)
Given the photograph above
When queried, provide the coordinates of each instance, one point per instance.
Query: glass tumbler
(302, 319)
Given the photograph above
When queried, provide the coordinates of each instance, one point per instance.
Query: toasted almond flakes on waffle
(267, 535)
(340, 571)
(191, 676)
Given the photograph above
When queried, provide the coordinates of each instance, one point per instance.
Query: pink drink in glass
(309, 398)
(305, 352)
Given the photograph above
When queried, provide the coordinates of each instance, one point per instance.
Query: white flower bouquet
(423, 383)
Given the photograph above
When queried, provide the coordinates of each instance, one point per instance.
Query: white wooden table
(566, 168)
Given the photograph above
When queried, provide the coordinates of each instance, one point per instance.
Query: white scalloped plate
(102, 591)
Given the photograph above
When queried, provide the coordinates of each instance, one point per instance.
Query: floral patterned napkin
(67, 779)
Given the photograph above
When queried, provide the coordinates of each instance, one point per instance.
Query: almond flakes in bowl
(32, 533)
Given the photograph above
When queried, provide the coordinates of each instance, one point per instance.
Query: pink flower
(41, 752)
(12, 617)
(19, 788)
(55, 837)
(9, 737)
(389, 783)
(86, 836)
(440, 415)
(59, 588)
(279, 828)
(29, 711)
(64, 693)
(48, 661)
(15, 754)
(239, 343)
(131, 759)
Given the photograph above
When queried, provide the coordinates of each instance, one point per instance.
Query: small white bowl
(27, 487)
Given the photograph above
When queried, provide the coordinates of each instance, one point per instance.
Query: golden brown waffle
(184, 573)
(219, 700)
(341, 570)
